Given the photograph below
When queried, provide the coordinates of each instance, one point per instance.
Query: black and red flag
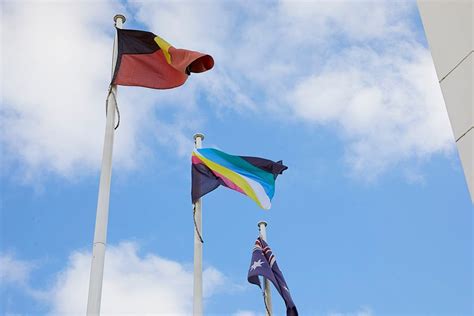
(146, 60)
(263, 263)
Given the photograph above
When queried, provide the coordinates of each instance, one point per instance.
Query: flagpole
(100, 234)
(197, 290)
(262, 227)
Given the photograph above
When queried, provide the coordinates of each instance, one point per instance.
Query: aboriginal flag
(146, 60)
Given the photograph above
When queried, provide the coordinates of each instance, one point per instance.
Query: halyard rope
(116, 105)
(265, 301)
(195, 224)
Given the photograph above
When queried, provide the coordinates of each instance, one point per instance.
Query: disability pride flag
(251, 176)
(263, 264)
(146, 60)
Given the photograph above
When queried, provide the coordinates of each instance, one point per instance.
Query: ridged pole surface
(262, 227)
(100, 234)
(197, 288)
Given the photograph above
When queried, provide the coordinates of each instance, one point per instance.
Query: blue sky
(373, 216)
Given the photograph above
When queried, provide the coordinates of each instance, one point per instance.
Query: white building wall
(449, 27)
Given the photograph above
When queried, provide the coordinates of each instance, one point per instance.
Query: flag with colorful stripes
(252, 176)
(264, 264)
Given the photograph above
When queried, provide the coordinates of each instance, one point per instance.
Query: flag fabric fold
(251, 176)
(145, 59)
(264, 264)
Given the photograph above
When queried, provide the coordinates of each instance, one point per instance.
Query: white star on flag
(256, 264)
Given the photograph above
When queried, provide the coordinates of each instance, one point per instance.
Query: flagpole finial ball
(262, 223)
(198, 135)
(120, 16)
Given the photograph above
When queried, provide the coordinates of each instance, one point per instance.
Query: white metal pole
(197, 290)
(262, 227)
(100, 234)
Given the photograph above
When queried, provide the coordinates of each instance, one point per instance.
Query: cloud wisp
(14, 271)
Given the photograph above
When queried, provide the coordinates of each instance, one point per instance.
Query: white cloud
(350, 19)
(56, 70)
(133, 283)
(54, 82)
(334, 64)
(14, 271)
(388, 108)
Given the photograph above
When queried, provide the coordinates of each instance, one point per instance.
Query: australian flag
(264, 264)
